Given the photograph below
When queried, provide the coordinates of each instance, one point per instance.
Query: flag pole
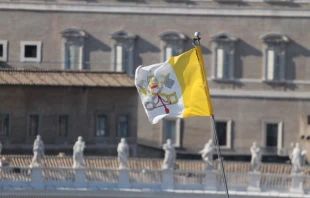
(196, 42)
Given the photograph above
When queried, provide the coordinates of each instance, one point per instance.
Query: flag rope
(219, 154)
(196, 42)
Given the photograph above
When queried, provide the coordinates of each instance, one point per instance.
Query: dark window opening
(33, 125)
(63, 125)
(123, 126)
(4, 125)
(272, 135)
(221, 129)
(1, 50)
(101, 126)
(30, 51)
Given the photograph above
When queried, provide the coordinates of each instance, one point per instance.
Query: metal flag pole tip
(196, 39)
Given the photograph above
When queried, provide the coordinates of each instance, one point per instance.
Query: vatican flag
(177, 87)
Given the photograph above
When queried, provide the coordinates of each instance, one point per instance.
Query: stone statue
(256, 157)
(123, 152)
(0, 148)
(38, 152)
(207, 155)
(296, 157)
(170, 154)
(78, 149)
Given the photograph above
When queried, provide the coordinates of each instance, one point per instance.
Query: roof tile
(46, 77)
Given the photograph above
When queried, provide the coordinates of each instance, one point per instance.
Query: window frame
(173, 39)
(4, 43)
(227, 43)
(178, 128)
(106, 125)
(229, 124)
(128, 126)
(23, 44)
(127, 40)
(73, 36)
(276, 42)
(66, 59)
(58, 125)
(9, 125)
(28, 123)
(280, 133)
(282, 70)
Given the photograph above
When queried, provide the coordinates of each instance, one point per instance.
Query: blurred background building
(68, 68)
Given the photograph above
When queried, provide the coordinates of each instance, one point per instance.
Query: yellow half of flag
(177, 87)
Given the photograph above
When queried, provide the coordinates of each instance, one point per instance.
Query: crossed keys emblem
(157, 90)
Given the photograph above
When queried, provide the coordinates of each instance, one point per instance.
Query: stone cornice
(143, 9)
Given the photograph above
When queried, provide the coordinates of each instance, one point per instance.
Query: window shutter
(119, 58)
(282, 66)
(74, 57)
(220, 62)
(280, 135)
(226, 65)
(229, 135)
(168, 53)
(270, 64)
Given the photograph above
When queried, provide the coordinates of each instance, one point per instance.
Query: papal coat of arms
(157, 92)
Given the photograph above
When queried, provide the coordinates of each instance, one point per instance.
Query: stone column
(80, 178)
(37, 178)
(210, 180)
(167, 179)
(297, 183)
(254, 181)
(123, 178)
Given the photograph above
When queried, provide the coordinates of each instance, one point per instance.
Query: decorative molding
(73, 32)
(259, 94)
(224, 37)
(204, 11)
(274, 37)
(172, 35)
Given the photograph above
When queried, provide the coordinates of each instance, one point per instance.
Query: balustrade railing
(46, 177)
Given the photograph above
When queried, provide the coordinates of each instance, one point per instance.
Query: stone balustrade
(162, 180)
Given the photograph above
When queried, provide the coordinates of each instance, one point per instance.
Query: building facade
(256, 55)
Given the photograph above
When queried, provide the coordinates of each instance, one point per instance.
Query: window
(4, 124)
(123, 52)
(101, 126)
(30, 51)
(33, 125)
(3, 50)
(74, 41)
(274, 55)
(273, 134)
(172, 131)
(223, 130)
(223, 62)
(63, 125)
(73, 55)
(224, 56)
(172, 44)
(121, 59)
(122, 126)
(308, 120)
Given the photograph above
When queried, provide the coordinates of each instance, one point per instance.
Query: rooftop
(64, 78)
